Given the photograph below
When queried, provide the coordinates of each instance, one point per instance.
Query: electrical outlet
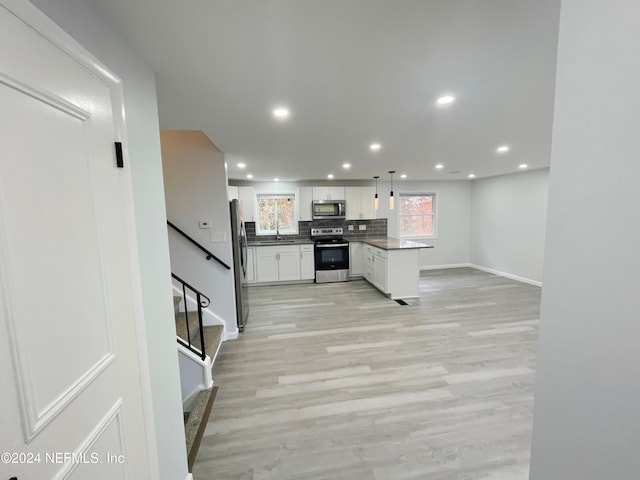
(350, 227)
(218, 237)
(362, 227)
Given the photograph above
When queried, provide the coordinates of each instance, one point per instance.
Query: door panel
(70, 243)
(69, 367)
(289, 265)
(266, 264)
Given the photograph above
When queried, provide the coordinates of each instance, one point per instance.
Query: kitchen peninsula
(390, 264)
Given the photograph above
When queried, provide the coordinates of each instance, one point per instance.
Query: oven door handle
(339, 245)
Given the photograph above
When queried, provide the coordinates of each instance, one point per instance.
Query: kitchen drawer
(378, 252)
(306, 248)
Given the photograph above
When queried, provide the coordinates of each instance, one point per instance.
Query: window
(276, 213)
(417, 215)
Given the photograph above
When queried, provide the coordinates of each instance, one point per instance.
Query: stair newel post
(201, 327)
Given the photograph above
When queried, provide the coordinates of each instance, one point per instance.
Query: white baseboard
(231, 335)
(439, 267)
(507, 275)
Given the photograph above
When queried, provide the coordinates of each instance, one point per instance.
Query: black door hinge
(119, 159)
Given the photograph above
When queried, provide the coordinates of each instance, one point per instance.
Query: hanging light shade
(375, 197)
(391, 199)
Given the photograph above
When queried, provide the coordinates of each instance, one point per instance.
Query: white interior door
(72, 400)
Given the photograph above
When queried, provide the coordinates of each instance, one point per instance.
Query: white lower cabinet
(394, 272)
(267, 264)
(356, 259)
(307, 263)
(284, 263)
(368, 263)
(289, 263)
(380, 269)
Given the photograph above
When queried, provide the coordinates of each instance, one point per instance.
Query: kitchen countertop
(386, 243)
(273, 243)
(390, 243)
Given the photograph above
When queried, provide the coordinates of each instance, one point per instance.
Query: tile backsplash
(375, 228)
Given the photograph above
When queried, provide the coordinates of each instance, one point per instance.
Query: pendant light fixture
(391, 199)
(375, 197)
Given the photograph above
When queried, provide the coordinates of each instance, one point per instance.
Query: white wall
(451, 244)
(86, 25)
(587, 399)
(508, 222)
(196, 189)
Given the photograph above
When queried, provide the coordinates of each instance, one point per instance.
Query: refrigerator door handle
(243, 248)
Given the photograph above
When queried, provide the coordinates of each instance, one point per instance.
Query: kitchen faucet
(277, 234)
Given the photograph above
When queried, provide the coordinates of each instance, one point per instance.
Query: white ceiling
(353, 72)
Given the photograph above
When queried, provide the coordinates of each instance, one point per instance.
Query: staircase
(196, 421)
(198, 346)
(197, 411)
(212, 333)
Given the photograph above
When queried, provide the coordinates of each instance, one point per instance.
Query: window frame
(292, 196)
(436, 202)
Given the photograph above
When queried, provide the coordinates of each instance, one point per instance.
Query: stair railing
(203, 302)
(209, 255)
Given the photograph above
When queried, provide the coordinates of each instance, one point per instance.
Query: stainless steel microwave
(323, 209)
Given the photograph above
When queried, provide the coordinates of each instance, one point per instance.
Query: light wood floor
(336, 381)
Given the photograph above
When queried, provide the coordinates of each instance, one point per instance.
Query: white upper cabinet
(328, 193)
(353, 203)
(232, 192)
(360, 204)
(247, 197)
(305, 197)
(367, 207)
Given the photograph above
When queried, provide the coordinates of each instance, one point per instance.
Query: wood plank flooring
(336, 381)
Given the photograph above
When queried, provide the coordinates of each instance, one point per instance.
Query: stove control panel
(320, 232)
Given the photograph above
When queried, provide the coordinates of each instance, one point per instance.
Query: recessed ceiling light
(346, 166)
(241, 165)
(445, 100)
(375, 147)
(281, 112)
(502, 149)
(249, 176)
(471, 175)
(330, 176)
(276, 179)
(404, 175)
(439, 166)
(523, 165)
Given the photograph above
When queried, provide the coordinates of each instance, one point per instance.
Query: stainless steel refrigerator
(239, 243)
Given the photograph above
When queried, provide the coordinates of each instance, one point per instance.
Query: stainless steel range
(331, 253)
